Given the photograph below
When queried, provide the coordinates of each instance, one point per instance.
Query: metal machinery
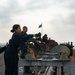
(52, 58)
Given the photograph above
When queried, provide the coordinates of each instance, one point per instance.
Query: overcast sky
(56, 16)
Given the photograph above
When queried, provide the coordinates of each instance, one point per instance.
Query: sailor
(24, 49)
(11, 53)
(23, 45)
(45, 38)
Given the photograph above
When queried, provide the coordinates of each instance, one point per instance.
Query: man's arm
(2, 49)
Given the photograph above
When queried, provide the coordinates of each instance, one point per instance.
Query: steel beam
(69, 65)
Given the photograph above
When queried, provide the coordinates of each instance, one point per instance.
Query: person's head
(45, 35)
(16, 28)
(25, 29)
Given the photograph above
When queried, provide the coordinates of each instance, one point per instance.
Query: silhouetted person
(11, 53)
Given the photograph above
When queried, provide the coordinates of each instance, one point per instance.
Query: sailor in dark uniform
(11, 53)
(23, 46)
(45, 38)
(24, 49)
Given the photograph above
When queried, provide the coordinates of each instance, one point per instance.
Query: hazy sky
(56, 16)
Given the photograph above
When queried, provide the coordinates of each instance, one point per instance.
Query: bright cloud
(57, 17)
